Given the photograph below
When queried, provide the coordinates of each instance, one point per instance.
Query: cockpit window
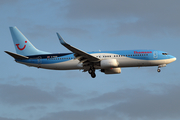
(165, 53)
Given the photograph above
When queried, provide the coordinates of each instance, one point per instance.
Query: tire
(158, 70)
(93, 75)
(90, 71)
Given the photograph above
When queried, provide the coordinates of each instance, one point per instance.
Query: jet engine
(111, 71)
(109, 63)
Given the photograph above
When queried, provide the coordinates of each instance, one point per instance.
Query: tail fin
(22, 45)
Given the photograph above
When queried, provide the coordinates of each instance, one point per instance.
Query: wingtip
(12, 27)
(60, 38)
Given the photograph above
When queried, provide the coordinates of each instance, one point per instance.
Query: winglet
(61, 39)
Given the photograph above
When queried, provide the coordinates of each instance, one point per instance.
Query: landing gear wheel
(93, 75)
(159, 70)
(90, 71)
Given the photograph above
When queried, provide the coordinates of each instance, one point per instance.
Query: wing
(82, 56)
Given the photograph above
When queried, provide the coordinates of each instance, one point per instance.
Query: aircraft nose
(173, 58)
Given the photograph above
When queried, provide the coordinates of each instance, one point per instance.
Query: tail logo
(21, 48)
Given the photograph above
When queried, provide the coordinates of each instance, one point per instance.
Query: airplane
(108, 62)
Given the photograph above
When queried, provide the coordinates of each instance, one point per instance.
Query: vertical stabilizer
(22, 45)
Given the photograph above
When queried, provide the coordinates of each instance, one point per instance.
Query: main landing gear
(92, 72)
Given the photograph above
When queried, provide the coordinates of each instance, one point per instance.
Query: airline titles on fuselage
(146, 52)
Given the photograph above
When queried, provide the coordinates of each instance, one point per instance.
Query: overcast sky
(28, 93)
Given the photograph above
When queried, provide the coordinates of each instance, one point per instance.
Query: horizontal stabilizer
(16, 56)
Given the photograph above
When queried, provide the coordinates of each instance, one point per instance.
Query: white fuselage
(123, 61)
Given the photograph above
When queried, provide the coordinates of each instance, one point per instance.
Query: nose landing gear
(159, 66)
(158, 70)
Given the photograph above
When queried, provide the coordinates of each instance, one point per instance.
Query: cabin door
(155, 54)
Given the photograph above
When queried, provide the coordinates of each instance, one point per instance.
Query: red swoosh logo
(21, 48)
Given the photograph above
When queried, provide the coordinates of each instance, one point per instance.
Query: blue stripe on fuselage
(46, 55)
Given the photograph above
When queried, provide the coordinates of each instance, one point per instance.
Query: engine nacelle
(111, 71)
(109, 63)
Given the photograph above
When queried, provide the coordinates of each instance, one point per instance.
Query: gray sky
(28, 93)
